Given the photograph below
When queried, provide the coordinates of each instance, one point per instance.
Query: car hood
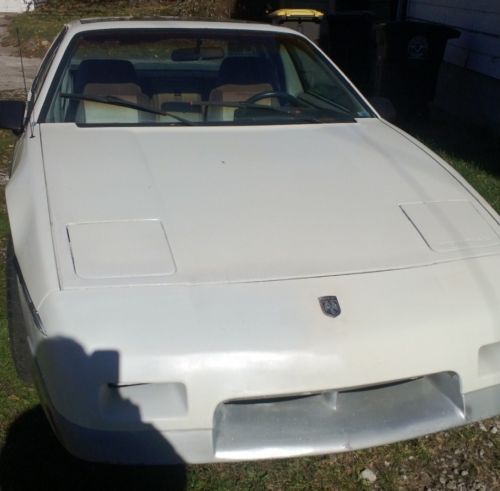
(234, 204)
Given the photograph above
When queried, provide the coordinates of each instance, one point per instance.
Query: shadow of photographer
(33, 458)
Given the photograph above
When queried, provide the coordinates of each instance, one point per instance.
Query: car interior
(176, 93)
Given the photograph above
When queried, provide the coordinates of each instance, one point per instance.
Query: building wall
(469, 81)
(478, 48)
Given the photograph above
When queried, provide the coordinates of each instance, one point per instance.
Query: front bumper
(205, 373)
(289, 427)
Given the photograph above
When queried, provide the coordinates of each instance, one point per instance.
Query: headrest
(244, 70)
(104, 72)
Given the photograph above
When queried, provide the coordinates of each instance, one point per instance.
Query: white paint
(120, 249)
(450, 225)
(242, 216)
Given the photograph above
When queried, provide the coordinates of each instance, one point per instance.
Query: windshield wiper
(117, 101)
(246, 105)
(338, 107)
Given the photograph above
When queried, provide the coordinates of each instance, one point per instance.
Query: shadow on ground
(470, 143)
(32, 459)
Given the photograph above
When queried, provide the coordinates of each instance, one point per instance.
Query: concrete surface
(13, 5)
(11, 77)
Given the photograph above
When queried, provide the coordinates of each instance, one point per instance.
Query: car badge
(330, 306)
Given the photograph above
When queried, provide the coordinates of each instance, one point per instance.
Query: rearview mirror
(195, 54)
(12, 115)
(384, 107)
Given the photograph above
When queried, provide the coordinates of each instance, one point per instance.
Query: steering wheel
(273, 94)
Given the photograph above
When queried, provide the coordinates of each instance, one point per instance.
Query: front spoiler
(291, 427)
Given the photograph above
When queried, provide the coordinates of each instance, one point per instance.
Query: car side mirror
(384, 107)
(12, 115)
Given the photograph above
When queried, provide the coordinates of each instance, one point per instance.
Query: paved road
(10, 66)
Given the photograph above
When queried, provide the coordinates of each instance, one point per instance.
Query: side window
(311, 73)
(321, 82)
(292, 80)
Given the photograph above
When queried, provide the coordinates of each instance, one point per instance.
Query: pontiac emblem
(330, 306)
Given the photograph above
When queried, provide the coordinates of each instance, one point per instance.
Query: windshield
(198, 77)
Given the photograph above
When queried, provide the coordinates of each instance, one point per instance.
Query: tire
(19, 346)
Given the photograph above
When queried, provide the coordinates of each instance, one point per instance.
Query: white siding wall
(478, 48)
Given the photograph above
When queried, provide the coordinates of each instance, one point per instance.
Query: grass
(471, 150)
(14, 396)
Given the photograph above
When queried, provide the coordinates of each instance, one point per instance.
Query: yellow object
(297, 14)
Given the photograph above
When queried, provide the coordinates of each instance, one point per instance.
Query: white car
(222, 252)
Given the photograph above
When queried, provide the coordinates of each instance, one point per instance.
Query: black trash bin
(406, 66)
(352, 5)
(350, 44)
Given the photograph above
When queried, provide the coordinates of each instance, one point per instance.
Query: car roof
(101, 23)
